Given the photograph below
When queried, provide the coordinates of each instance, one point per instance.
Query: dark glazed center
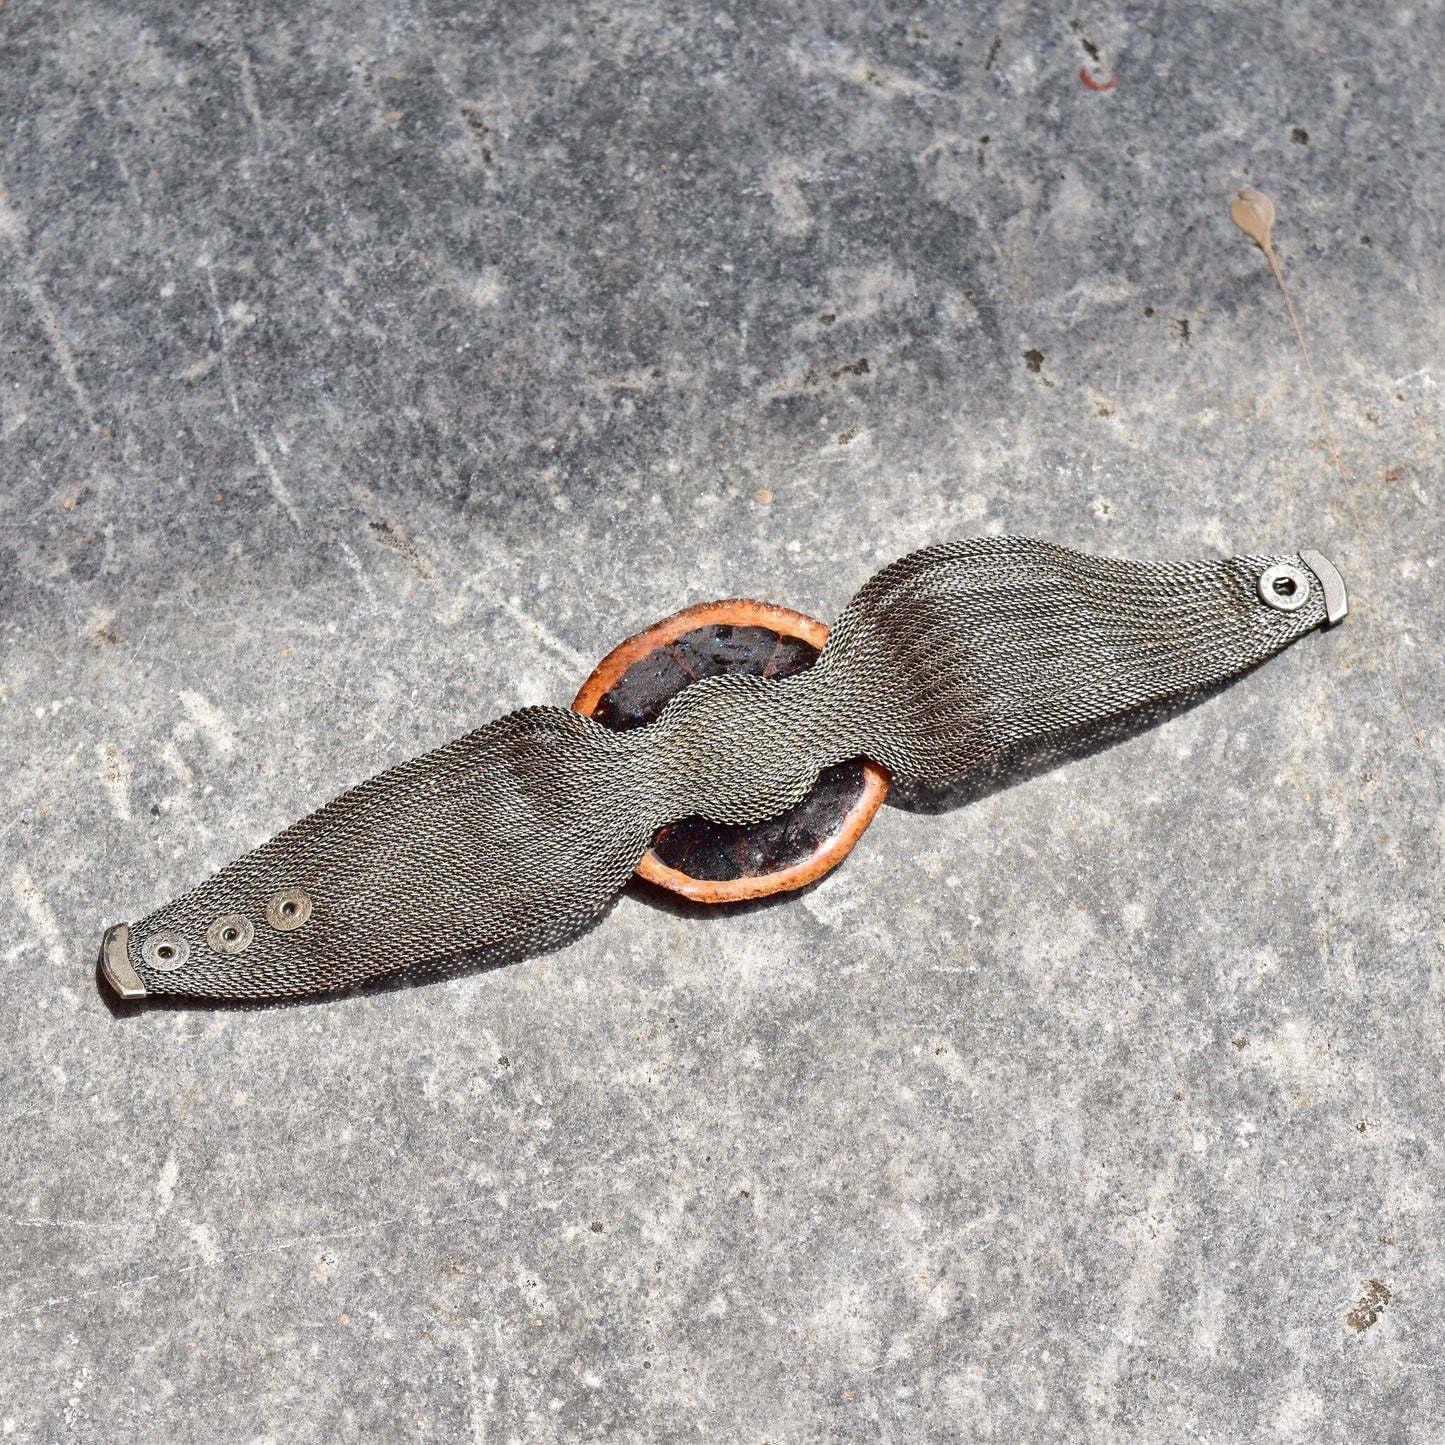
(718, 852)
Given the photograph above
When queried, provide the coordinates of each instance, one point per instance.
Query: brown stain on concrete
(394, 539)
(1370, 1305)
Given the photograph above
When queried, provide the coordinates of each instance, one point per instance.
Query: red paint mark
(1094, 84)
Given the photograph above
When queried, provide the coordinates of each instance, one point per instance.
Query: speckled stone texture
(367, 371)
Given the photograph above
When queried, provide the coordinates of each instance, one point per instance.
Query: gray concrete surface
(368, 370)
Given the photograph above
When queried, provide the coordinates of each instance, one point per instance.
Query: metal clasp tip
(1337, 604)
(115, 962)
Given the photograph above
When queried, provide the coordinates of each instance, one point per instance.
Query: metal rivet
(1284, 587)
(230, 933)
(289, 909)
(165, 951)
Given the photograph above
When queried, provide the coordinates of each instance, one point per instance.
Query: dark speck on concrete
(1090, 48)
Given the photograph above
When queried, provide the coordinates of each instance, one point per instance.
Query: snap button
(1284, 587)
(165, 952)
(289, 909)
(230, 933)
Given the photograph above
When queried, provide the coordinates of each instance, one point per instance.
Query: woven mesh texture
(516, 836)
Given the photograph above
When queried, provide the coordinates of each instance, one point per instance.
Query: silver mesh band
(516, 836)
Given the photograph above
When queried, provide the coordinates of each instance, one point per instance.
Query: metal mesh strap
(515, 836)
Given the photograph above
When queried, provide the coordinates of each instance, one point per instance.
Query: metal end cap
(115, 962)
(1337, 604)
